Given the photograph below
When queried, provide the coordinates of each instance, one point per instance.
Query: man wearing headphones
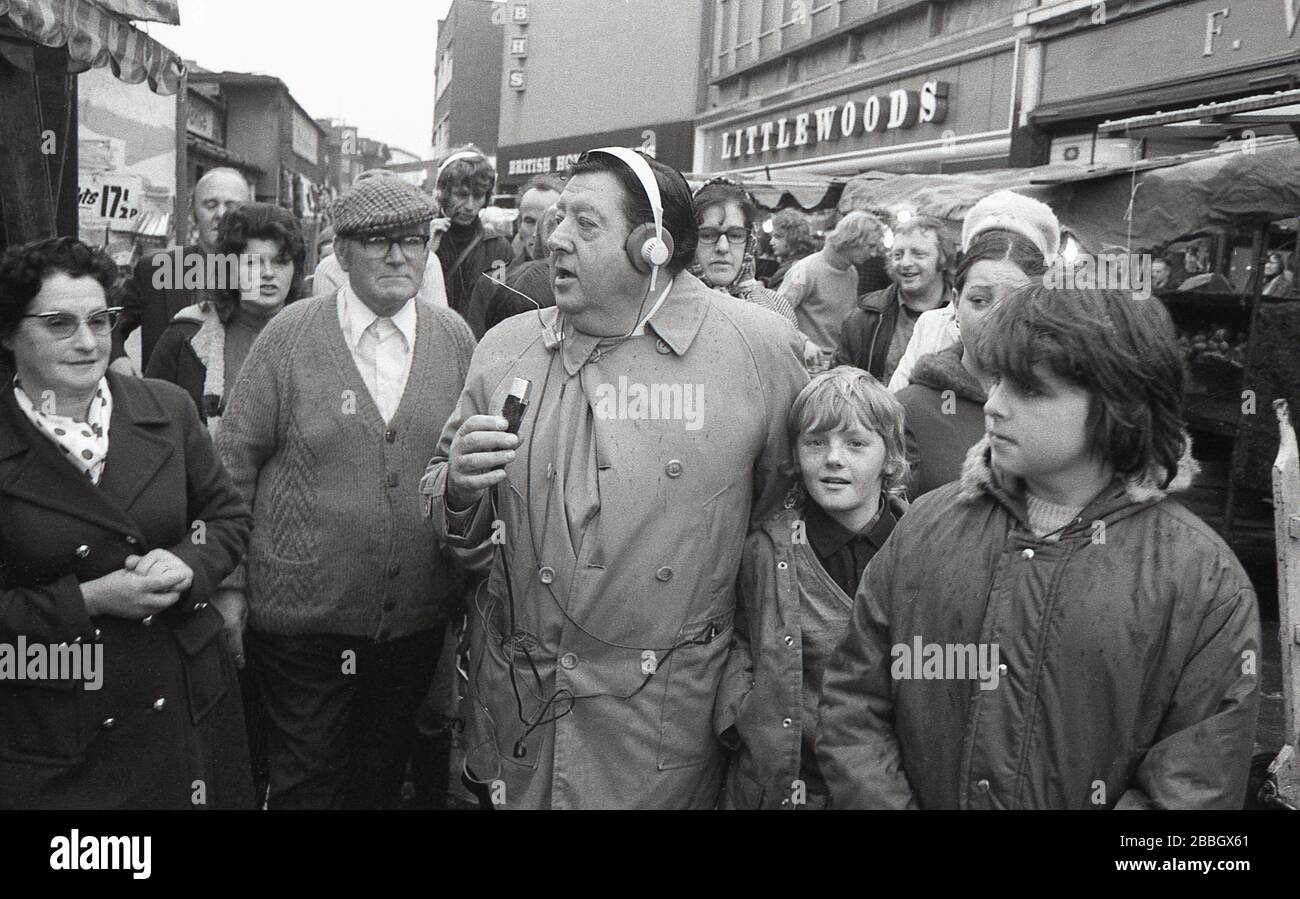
(652, 433)
(464, 186)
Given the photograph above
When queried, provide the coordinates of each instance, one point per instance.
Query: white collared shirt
(385, 377)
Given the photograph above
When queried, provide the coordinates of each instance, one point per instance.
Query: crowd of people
(681, 538)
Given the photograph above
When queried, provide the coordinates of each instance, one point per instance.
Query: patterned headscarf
(747, 262)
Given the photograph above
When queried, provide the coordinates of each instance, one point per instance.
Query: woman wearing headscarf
(724, 256)
(117, 523)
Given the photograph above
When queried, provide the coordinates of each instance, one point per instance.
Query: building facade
(842, 86)
(577, 75)
(467, 77)
(1087, 67)
(267, 127)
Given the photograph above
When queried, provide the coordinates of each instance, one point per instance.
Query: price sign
(111, 199)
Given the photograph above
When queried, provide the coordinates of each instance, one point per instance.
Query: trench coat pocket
(204, 659)
(40, 721)
(693, 672)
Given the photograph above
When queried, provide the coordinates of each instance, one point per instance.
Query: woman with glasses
(116, 524)
(204, 347)
(724, 256)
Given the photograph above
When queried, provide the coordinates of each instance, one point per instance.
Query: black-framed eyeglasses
(62, 325)
(377, 246)
(734, 235)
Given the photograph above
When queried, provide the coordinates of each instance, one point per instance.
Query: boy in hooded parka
(1052, 631)
(798, 573)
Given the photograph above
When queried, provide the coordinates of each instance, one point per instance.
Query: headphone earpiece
(646, 250)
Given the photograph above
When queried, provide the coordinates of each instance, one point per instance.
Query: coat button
(781, 566)
(108, 723)
(1002, 669)
(82, 551)
(546, 574)
(1027, 554)
(662, 348)
(674, 469)
(787, 722)
(789, 640)
(97, 633)
(200, 605)
(159, 704)
(982, 785)
(569, 661)
(132, 541)
(394, 570)
(147, 620)
(390, 435)
(664, 574)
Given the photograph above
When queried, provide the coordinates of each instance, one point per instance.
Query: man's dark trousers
(340, 714)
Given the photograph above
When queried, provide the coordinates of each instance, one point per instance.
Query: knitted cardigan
(339, 542)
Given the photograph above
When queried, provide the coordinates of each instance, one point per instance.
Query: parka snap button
(108, 723)
(569, 661)
(789, 641)
(787, 722)
(982, 785)
(781, 566)
(1027, 554)
(674, 469)
(159, 704)
(662, 348)
(82, 551)
(546, 574)
(664, 574)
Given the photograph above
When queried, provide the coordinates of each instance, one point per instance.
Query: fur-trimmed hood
(979, 476)
(943, 371)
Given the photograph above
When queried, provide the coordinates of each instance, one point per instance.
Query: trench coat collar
(675, 324)
(135, 455)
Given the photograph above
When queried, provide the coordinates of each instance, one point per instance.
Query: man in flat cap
(327, 432)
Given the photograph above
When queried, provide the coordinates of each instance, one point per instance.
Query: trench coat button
(147, 620)
(664, 574)
(789, 640)
(569, 661)
(108, 723)
(787, 722)
(159, 704)
(546, 574)
(662, 348)
(982, 785)
(674, 469)
(1027, 554)
(82, 551)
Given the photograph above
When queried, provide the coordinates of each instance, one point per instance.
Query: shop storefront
(670, 142)
(953, 115)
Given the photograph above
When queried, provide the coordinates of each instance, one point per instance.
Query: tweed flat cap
(377, 204)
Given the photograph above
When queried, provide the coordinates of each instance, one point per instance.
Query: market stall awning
(947, 197)
(99, 38)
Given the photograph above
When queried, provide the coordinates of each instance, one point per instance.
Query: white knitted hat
(1006, 210)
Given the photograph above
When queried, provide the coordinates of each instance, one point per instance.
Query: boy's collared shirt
(843, 553)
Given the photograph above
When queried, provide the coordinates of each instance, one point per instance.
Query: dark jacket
(175, 361)
(151, 308)
(167, 715)
(1130, 649)
(867, 331)
(492, 304)
(492, 253)
(762, 689)
(943, 418)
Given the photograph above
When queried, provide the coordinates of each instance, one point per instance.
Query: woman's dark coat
(165, 729)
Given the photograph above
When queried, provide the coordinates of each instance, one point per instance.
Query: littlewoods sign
(888, 112)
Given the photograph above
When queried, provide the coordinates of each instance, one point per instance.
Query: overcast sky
(369, 62)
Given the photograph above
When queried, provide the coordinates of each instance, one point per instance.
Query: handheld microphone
(516, 404)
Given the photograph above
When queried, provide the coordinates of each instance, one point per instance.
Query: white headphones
(649, 246)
